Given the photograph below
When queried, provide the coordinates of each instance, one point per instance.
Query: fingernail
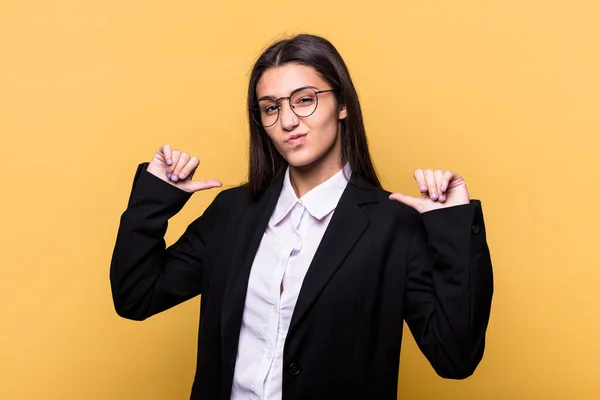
(442, 187)
(169, 161)
(182, 175)
(174, 177)
(169, 176)
(423, 187)
(434, 195)
(442, 197)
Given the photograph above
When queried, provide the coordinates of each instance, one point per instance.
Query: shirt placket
(277, 325)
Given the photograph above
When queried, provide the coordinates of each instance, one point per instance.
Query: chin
(299, 163)
(299, 159)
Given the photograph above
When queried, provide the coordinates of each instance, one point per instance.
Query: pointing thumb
(203, 185)
(408, 200)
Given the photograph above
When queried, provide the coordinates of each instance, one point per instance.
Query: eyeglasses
(303, 102)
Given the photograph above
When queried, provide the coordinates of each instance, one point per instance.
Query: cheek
(326, 128)
(275, 136)
(272, 135)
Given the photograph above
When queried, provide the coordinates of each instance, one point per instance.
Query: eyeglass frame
(277, 101)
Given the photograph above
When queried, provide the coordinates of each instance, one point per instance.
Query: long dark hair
(266, 164)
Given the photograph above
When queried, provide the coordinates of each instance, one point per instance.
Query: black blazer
(380, 262)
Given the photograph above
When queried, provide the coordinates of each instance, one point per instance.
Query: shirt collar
(319, 201)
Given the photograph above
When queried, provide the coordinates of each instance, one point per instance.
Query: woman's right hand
(177, 169)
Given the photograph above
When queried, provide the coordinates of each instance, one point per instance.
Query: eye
(304, 101)
(270, 109)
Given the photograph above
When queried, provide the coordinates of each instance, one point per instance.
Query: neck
(304, 179)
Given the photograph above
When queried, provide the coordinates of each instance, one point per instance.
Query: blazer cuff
(149, 188)
(457, 224)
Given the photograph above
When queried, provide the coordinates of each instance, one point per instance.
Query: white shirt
(283, 257)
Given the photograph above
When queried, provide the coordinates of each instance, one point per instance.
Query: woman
(308, 271)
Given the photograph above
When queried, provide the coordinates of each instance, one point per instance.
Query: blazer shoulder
(404, 212)
(394, 207)
(238, 196)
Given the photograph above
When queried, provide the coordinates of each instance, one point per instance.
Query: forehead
(281, 81)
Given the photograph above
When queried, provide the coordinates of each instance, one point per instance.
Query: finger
(189, 168)
(195, 186)
(446, 178)
(193, 171)
(166, 149)
(431, 186)
(438, 176)
(175, 155)
(420, 178)
(408, 200)
(183, 160)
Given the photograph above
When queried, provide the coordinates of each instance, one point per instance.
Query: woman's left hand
(439, 189)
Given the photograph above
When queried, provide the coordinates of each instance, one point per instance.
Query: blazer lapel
(345, 228)
(251, 228)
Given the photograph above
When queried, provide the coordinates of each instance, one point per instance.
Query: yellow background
(504, 92)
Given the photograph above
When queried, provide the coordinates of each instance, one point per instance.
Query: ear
(343, 113)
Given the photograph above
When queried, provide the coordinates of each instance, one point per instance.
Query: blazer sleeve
(147, 277)
(449, 288)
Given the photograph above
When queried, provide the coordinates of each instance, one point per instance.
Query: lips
(295, 136)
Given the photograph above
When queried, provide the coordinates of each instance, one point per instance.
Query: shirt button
(269, 355)
(476, 229)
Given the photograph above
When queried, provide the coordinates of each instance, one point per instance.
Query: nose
(289, 120)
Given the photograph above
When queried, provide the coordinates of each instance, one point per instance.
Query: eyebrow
(274, 98)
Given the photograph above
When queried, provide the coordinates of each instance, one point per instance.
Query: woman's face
(301, 140)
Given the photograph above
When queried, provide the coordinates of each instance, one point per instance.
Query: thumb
(195, 186)
(408, 200)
